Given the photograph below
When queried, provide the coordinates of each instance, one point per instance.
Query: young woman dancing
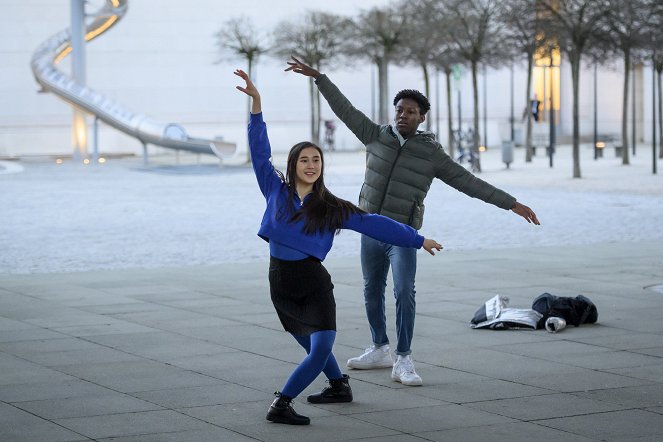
(299, 223)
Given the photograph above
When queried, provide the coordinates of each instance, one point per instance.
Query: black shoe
(338, 391)
(281, 412)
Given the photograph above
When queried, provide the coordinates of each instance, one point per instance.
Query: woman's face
(309, 166)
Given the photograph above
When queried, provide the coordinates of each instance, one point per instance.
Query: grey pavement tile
(99, 404)
(555, 348)
(249, 419)
(654, 438)
(157, 344)
(511, 431)
(581, 380)
(127, 424)
(400, 437)
(609, 360)
(93, 356)
(545, 406)
(132, 376)
(413, 420)
(48, 318)
(163, 318)
(496, 364)
(51, 389)
(635, 397)
(322, 429)
(149, 294)
(216, 394)
(482, 390)
(652, 351)
(626, 424)
(18, 426)
(652, 373)
(111, 326)
(65, 343)
(8, 324)
(119, 308)
(213, 434)
(29, 334)
(247, 414)
(18, 371)
(369, 397)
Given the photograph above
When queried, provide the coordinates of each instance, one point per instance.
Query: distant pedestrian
(299, 223)
(535, 105)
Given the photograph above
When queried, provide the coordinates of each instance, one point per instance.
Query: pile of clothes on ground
(548, 311)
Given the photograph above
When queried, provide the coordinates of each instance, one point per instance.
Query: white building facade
(162, 60)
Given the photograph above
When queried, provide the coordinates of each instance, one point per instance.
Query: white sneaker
(373, 357)
(404, 373)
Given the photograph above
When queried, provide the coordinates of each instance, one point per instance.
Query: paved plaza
(178, 350)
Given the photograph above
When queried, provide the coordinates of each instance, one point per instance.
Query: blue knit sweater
(291, 234)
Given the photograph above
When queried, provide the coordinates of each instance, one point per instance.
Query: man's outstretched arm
(354, 119)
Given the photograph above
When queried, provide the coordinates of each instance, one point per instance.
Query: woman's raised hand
(250, 88)
(430, 245)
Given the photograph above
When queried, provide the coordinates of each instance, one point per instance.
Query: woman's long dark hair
(323, 211)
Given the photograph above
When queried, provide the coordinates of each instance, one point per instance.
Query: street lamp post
(512, 119)
(551, 146)
(596, 148)
(653, 113)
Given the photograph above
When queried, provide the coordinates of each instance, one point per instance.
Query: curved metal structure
(147, 130)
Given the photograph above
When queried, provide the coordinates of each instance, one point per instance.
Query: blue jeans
(376, 257)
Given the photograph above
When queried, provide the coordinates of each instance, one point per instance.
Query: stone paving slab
(195, 353)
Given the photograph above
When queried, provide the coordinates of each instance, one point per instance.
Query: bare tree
(376, 35)
(477, 39)
(424, 47)
(319, 39)
(658, 63)
(571, 25)
(239, 39)
(627, 30)
(655, 46)
(522, 32)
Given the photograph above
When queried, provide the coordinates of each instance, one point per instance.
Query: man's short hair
(422, 101)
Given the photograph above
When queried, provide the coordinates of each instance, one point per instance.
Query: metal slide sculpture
(140, 126)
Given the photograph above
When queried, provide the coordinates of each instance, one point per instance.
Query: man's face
(408, 117)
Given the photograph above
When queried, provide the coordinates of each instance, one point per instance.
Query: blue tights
(319, 359)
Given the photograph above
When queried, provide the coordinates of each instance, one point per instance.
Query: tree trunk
(248, 107)
(383, 91)
(627, 70)
(660, 117)
(575, 73)
(450, 126)
(529, 151)
(424, 68)
(311, 90)
(475, 88)
(318, 119)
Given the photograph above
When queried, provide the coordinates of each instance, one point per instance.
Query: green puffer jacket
(398, 178)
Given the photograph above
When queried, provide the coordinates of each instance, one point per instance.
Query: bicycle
(464, 143)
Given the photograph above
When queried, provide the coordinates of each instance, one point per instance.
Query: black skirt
(303, 295)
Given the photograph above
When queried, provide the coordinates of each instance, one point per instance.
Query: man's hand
(525, 212)
(430, 244)
(301, 68)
